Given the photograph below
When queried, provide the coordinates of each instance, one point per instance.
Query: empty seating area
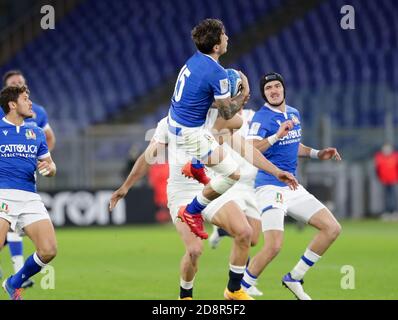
(105, 54)
(349, 74)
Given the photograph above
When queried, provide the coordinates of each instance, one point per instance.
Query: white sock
(305, 263)
(237, 269)
(186, 284)
(202, 199)
(17, 263)
(248, 280)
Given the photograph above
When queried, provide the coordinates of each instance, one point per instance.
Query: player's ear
(12, 105)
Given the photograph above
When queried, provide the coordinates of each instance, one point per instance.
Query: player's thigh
(324, 219)
(255, 224)
(4, 227)
(270, 202)
(198, 143)
(231, 218)
(303, 205)
(248, 204)
(42, 234)
(214, 207)
(273, 219)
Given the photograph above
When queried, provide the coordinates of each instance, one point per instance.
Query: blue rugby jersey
(20, 148)
(283, 153)
(201, 80)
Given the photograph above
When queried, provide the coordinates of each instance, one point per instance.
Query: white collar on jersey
(275, 109)
(12, 124)
(9, 122)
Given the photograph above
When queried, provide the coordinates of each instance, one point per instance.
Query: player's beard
(277, 104)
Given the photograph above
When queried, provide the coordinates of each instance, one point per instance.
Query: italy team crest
(279, 197)
(30, 134)
(295, 120)
(4, 207)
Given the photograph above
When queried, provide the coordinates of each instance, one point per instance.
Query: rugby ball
(235, 82)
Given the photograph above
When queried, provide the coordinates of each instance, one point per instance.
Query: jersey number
(182, 76)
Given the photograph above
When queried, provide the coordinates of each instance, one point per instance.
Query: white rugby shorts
(242, 195)
(21, 208)
(298, 204)
(197, 142)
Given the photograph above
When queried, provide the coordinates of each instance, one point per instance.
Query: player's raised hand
(287, 178)
(329, 153)
(116, 196)
(284, 129)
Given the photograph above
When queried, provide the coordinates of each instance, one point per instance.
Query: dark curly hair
(207, 34)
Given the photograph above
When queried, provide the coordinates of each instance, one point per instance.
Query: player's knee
(47, 252)
(273, 248)
(244, 235)
(195, 251)
(333, 230)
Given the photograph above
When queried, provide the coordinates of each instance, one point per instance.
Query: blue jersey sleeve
(257, 129)
(219, 83)
(43, 151)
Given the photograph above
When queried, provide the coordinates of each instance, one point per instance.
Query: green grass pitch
(142, 262)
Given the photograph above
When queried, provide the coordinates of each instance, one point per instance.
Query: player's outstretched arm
(139, 170)
(324, 154)
(256, 158)
(47, 167)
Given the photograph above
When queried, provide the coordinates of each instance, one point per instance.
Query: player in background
(202, 81)
(219, 212)
(274, 199)
(23, 150)
(14, 240)
(16, 78)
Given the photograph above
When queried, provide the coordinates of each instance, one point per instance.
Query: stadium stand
(330, 70)
(107, 54)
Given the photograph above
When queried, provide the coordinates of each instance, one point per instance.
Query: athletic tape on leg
(221, 184)
(226, 167)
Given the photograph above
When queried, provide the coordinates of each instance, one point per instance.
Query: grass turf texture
(142, 262)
